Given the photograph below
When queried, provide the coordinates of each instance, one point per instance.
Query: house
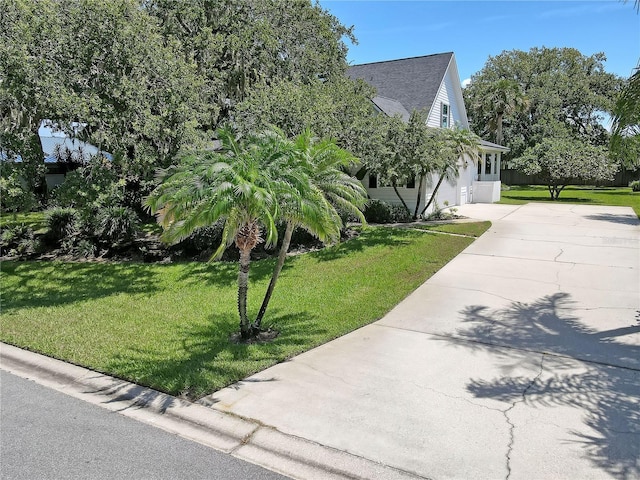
(430, 83)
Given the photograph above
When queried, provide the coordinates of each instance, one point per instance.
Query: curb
(243, 438)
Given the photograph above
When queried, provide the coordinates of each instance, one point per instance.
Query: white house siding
(445, 95)
(388, 195)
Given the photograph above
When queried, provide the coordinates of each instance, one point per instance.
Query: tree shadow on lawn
(606, 387)
(37, 284)
(225, 273)
(208, 360)
(369, 237)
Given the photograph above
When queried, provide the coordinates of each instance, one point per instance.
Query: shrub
(61, 224)
(377, 211)
(18, 240)
(399, 214)
(92, 185)
(635, 186)
(15, 195)
(117, 224)
(85, 248)
(440, 214)
(201, 243)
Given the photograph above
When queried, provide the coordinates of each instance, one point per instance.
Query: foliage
(15, 192)
(92, 186)
(456, 147)
(563, 91)
(338, 108)
(409, 154)
(377, 211)
(625, 140)
(35, 220)
(90, 313)
(117, 224)
(635, 186)
(441, 213)
(317, 206)
(237, 185)
(136, 99)
(237, 45)
(18, 240)
(502, 98)
(62, 223)
(562, 161)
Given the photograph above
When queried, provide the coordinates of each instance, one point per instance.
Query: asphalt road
(46, 434)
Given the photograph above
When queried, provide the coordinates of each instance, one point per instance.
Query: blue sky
(475, 30)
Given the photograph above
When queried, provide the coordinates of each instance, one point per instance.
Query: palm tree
(625, 140)
(454, 148)
(316, 208)
(236, 184)
(503, 98)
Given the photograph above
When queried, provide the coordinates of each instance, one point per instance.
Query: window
(373, 181)
(444, 117)
(411, 183)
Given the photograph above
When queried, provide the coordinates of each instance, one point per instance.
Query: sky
(476, 30)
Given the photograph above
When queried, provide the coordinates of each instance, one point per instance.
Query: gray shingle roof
(391, 107)
(413, 82)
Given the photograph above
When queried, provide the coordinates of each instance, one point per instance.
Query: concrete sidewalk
(520, 359)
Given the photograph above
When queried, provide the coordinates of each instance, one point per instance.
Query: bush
(15, 195)
(62, 223)
(399, 214)
(635, 186)
(377, 211)
(440, 214)
(117, 224)
(18, 240)
(202, 242)
(84, 248)
(90, 186)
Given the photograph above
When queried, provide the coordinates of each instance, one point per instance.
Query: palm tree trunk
(433, 195)
(243, 287)
(395, 189)
(282, 255)
(415, 212)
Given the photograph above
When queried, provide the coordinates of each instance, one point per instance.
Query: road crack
(512, 426)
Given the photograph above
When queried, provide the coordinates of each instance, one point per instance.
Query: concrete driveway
(520, 359)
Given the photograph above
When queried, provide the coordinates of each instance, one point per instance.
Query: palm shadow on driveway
(604, 385)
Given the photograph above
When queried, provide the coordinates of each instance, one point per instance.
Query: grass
(585, 195)
(168, 326)
(470, 229)
(35, 220)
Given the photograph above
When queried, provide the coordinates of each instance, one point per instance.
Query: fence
(514, 177)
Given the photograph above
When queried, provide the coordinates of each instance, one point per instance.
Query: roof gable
(414, 82)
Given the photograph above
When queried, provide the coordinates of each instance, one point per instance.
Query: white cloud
(466, 82)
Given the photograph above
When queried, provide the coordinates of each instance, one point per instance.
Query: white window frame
(445, 118)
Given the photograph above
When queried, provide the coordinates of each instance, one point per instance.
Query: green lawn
(168, 326)
(35, 220)
(471, 229)
(585, 195)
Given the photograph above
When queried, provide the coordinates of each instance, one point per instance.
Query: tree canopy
(143, 78)
(565, 91)
(239, 44)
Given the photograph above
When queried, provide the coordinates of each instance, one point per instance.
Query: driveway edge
(243, 438)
